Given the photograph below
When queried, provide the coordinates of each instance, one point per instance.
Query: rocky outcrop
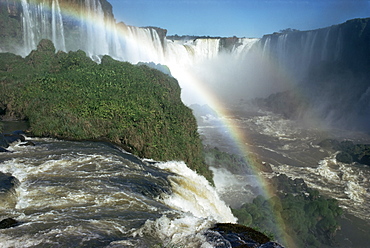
(235, 235)
(348, 151)
(8, 223)
(7, 139)
(329, 71)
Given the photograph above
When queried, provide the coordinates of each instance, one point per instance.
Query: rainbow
(72, 10)
(240, 138)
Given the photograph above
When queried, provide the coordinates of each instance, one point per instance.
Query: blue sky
(242, 18)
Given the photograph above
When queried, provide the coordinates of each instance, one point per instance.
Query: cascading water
(42, 21)
(65, 176)
(89, 194)
(98, 34)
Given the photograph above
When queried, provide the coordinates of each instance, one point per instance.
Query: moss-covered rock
(69, 96)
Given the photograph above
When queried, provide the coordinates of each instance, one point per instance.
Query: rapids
(290, 147)
(90, 194)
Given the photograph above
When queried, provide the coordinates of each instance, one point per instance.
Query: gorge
(318, 78)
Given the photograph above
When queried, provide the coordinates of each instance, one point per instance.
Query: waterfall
(42, 21)
(28, 35)
(301, 51)
(94, 34)
(97, 34)
(248, 66)
(57, 24)
(142, 45)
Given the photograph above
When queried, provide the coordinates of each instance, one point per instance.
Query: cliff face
(318, 51)
(11, 34)
(330, 68)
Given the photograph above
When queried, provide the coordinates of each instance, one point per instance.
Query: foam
(192, 193)
(185, 231)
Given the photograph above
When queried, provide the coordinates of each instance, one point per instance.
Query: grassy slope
(67, 95)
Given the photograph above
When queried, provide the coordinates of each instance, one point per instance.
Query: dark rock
(3, 149)
(365, 160)
(12, 138)
(271, 245)
(7, 182)
(8, 223)
(240, 236)
(3, 142)
(28, 143)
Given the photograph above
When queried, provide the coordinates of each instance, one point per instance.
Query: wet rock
(7, 182)
(8, 223)
(3, 149)
(8, 196)
(236, 235)
(28, 143)
(271, 245)
(12, 138)
(3, 142)
(7, 139)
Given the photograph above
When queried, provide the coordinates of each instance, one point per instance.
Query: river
(93, 194)
(291, 148)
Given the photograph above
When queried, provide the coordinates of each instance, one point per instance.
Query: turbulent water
(88, 194)
(290, 147)
(97, 195)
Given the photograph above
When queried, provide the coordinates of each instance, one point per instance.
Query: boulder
(28, 143)
(3, 142)
(8, 223)
(242, 236)
(3, 149)
(12, 138)
(7, 182)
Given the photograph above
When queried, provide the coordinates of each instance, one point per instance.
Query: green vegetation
(295, 211)
(69, 96)
(349, 152)
(309, 219)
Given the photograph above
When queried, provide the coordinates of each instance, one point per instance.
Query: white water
(192, 193)
(203, 66)
(290, 148)
(98, 34)
(90, 194)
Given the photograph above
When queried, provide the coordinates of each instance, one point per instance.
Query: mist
(230, 78)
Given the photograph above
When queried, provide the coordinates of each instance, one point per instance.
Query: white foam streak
(325, 171)
(199, 205)
(343, 182)
(185, 231)
(192, 193)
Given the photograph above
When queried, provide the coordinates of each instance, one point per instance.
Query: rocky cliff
(329, 69)
(322, 51)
